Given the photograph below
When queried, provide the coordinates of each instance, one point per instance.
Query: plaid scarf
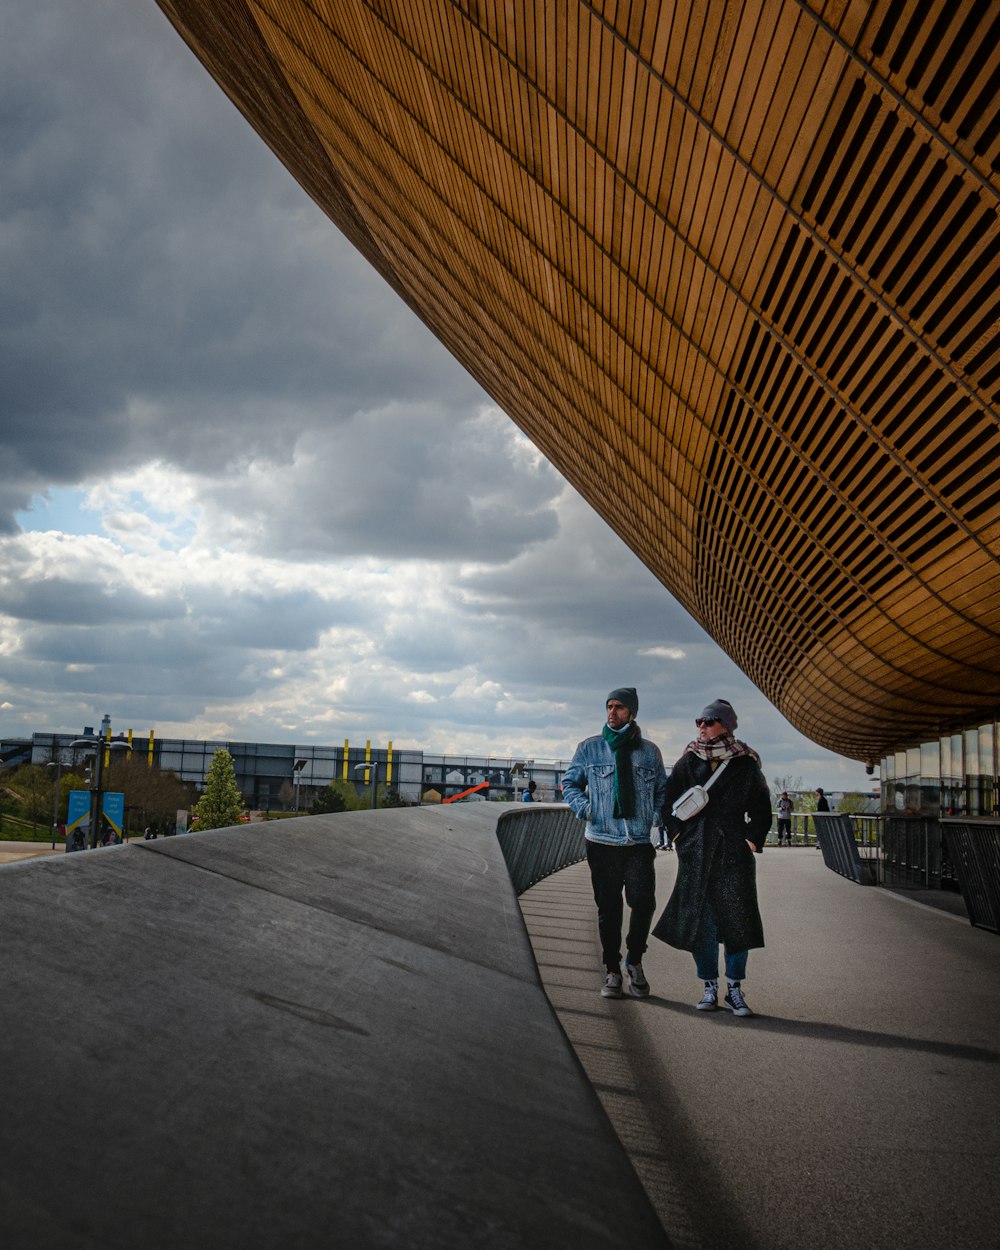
(623, 742)
(725, 747)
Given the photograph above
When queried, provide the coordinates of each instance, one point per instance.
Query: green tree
(392, 798)
(152, 796)
(343, 797)
(853, 801)
(32, 786)
(785, 785)
(329, 799)
(221, 804)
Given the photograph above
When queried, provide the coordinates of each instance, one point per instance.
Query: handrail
(538, 839)
(840, 849)
(974, 848)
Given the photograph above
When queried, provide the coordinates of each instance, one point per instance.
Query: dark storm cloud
(272, 622)
(91, 629)
(405, 482)
(170, 292)
(586, 584)
(67, 601)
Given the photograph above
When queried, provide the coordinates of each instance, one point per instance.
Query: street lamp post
(55, 799)
(372, 766)
(297, 768)
(98, 746)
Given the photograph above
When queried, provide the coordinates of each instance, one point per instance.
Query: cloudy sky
(244, 493)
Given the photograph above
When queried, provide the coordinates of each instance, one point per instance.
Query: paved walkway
(320, 1034)
(11, 852)
(859, 1108)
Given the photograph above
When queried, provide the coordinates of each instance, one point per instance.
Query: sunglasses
(699, 722)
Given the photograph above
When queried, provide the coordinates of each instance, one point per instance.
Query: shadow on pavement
(835, 1033)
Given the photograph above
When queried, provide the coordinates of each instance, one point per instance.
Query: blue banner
(114, 810)
(78, 813)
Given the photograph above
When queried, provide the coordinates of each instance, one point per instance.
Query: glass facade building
(954, 775)
(281, 776)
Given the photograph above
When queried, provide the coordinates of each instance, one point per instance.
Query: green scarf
(623, 742)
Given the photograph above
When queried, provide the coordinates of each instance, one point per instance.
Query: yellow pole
(388, 764)
(149, 756)
(347, 745)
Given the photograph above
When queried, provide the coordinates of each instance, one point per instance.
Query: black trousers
(614, 869)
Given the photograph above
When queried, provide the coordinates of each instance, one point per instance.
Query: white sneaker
(612, 987)
(638, 986)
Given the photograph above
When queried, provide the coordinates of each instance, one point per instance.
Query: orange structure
(740, 257)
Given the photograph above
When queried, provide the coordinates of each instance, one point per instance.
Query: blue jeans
(706, 951)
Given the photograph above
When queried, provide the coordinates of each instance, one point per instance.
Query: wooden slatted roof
(741, 256)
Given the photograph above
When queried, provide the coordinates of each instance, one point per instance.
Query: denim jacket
(588, 786)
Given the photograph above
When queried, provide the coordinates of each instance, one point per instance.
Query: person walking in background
(822, 805)
(616, 782)
(715, 895)
(528, 796)
(664, 842)
(784, 807)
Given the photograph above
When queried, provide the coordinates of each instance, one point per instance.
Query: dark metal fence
(538, 839)
(974, 848)
(915, 854)
(843, 852)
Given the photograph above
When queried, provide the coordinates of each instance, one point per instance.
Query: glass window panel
(987, 765)
(973, 774)
(930, 761)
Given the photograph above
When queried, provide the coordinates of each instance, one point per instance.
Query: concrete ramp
(313, 1033)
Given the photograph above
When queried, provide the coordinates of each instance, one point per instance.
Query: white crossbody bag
(695, 800)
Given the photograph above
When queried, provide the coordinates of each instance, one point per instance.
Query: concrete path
(860, 1108)
(11, 852)
(308, 1035)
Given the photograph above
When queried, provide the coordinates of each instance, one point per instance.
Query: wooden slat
(746, 254)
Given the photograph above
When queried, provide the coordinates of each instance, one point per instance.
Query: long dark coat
(713, 859)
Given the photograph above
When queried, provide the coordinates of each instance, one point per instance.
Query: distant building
(268, 779)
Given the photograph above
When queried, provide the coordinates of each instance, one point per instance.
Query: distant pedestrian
(664, 843)
(715, 895)
(616, 783)
(784, 819)
(529, 792)
(822, 805)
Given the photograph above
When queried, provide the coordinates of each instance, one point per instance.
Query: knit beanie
(626, 695)
(720, 710)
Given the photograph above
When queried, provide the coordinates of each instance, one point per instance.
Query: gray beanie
(721, 710)
(626, 695)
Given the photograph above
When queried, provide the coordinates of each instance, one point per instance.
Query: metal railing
(843, 852)
(915, 854)
(538, 839)
(973, 846)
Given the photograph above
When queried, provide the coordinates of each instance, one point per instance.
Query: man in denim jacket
(616, 782)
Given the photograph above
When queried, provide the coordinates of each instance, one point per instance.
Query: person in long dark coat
(715, 895)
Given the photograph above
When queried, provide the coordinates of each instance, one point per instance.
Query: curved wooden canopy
(741, 257)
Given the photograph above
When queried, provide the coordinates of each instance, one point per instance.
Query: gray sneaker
(736, 1003)
(638, 986)
(710, 999)
(612, 987)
